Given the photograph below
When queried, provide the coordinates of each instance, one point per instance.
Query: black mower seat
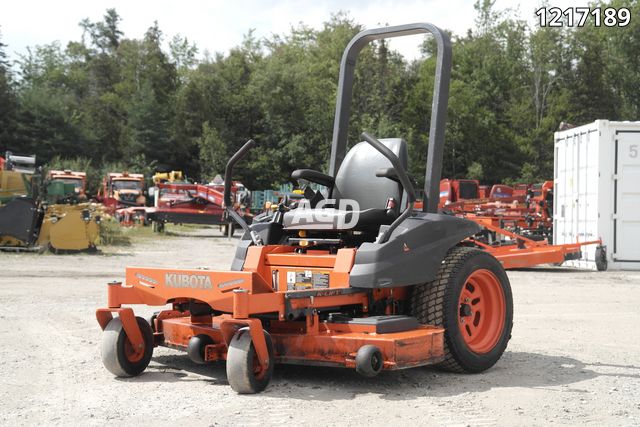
(356, 180)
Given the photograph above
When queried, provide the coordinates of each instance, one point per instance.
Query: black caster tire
(196, 347)
(118, 355)
(242, 365)
(369, 361)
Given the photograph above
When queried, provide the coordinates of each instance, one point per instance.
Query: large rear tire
(471, 299)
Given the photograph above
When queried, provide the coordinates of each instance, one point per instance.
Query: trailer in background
(597, 192)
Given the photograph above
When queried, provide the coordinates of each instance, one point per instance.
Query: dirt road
(574, 357)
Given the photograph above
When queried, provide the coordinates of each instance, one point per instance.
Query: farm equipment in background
(29, 225)
(521, 190)
(528, 214)
(397, 289)
(517, 222)
(454, 190)
(163, 177)
(483, 191)
(40, 214)
(540, 198)
(121, 190)
(266, 200)
(70, 227)
(15, 176)
(187, 203)
(66, 186)
(517, 251)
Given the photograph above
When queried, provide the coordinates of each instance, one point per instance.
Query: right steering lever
(404, 180)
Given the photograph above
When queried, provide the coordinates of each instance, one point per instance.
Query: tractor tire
(117, 353)
(242, 365)
(471, 299)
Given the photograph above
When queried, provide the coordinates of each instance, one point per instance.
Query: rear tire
(117, 353)
(242, 365)
(471, 299)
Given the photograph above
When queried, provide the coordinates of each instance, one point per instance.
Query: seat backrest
(356, 179)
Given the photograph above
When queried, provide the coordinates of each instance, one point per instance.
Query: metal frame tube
(439, 105)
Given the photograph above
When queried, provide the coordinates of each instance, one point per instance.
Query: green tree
(121, 102)
(8, 105)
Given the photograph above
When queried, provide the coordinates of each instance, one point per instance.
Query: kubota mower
(376, 286)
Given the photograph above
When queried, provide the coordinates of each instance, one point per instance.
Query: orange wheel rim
(131, 354)
(481, 311)
(258, 371)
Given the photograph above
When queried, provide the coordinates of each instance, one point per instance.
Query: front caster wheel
(119, 356)
(244, 373)
(369, 361)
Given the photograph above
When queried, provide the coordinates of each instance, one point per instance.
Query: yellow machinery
(60, 227)
(29, 223)
(15, 176)
(172, 176)
(70, 227)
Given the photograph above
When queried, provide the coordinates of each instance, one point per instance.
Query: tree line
(108, 101)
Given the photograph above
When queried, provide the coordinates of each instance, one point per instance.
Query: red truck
(122, 190)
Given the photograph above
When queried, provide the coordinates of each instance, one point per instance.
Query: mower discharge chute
(395, 289)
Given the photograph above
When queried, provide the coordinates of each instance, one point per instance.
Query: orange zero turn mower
(378, 286)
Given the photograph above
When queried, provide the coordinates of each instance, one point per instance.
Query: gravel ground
(574, 357)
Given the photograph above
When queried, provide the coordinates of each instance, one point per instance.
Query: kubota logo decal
(231, 283)
(195, 281)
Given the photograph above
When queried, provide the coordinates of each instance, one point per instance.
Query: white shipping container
(597, 191)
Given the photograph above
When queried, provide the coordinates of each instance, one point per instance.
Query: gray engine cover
(413, 254)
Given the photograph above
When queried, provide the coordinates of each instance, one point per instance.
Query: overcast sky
(217, 26)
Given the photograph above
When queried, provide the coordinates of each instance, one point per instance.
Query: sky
(217, 26)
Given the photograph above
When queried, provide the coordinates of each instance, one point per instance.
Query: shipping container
(597, 191)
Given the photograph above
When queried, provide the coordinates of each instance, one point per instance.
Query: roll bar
(438, 110)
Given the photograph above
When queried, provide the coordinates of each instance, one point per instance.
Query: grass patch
(112, 233)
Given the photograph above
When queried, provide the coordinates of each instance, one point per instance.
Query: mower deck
(320, 344)
(265, 293)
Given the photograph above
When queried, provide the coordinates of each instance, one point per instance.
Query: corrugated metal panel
(627, 200)
(597, 191)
